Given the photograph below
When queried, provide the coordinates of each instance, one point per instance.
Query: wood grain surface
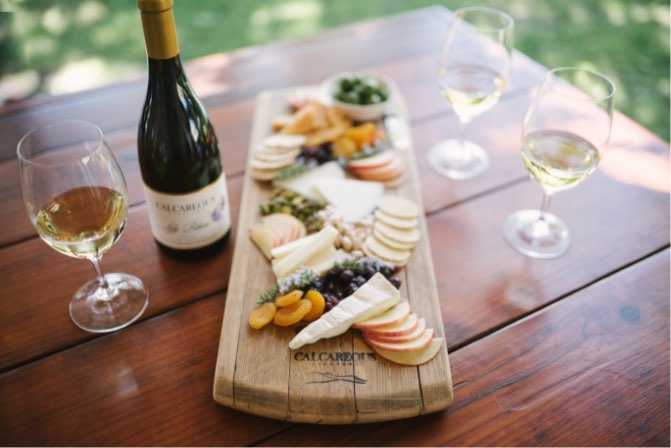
(565, 352)
(257, 373)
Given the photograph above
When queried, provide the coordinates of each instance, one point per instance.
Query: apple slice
(376, 160)
(290, 226)
(395, 330)
(392, 165)
(415, 344)
(413, 357)
(415, 334)
(396, 314)
(265, 238)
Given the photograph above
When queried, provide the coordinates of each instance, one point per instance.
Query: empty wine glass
(75, 196)
(566, 127)
(474, 65)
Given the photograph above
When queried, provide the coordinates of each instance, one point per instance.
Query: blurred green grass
(46, 40)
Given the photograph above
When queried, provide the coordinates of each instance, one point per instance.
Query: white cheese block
(372, 298)
(304, 183)
(282, 251)
(298, 257)
(354, 199)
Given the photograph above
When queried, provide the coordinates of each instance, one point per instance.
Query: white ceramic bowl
(358, 112)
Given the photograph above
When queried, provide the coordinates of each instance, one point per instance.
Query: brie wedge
(372, 298)
(304, 183)
(354, 199)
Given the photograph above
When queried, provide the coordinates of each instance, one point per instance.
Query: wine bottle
(184, 184)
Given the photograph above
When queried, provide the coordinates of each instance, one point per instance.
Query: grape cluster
(315, 155)
(344, 278)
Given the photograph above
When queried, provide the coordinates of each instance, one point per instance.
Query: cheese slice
(304, 183)
(319, 263)
(297, 258)
(282, 251)
(372, 298)
(353, 199)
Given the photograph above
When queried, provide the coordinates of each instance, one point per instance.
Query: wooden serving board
(334, 381)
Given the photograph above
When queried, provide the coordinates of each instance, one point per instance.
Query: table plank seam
(540, 309)
(95, 337)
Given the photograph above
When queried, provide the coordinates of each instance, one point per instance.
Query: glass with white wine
(75, 196)
(566, 127)
(473, 68)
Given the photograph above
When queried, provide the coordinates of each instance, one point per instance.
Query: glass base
(525, 232)
(458, 159)
(101, 310)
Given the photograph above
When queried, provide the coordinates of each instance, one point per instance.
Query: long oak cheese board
(339, 380)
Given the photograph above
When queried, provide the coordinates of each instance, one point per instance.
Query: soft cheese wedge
(372, 298)
(304, 183)
(353, 199)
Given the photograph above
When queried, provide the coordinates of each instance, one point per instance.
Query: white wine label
(192, 220)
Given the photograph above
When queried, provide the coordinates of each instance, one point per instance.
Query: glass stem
(545, 205)
(102, 281)
(460, 131)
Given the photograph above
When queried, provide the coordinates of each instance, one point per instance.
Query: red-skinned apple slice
(265, 238)
(395, 314)
(416, 334)
(413, 357)
(291, 227)
(416, 344)
(391, 165)
(373, 161)
(391, 174)
(399, 329)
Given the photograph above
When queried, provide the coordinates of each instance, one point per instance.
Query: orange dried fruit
(292, 314)
(363, 134)
(289, 298)
(262, 315)
(344, 147)
(318, 304)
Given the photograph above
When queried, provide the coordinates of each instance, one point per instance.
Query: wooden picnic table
(570, 351)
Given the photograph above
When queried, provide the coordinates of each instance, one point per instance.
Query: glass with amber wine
(566, 129)
(76, 198)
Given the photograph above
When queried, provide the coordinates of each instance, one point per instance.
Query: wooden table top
(571, 351)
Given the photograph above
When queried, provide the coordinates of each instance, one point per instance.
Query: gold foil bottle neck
(154, 5)
(158, 23)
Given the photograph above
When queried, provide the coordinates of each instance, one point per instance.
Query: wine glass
(474, 66)
(75, 196)
(565, 129)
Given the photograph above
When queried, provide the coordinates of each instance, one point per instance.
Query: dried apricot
(289, 298)
(292, 314)
(262, 315)
(344, 147)
(363, 134)
(318, 304)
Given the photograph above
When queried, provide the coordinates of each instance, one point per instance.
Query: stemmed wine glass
(75, 196)
(565, 129)
(474, 65)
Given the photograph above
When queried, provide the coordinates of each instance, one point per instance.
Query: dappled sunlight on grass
(292, 19)
(628, 40)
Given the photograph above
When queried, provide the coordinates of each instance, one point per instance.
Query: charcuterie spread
(332, 312)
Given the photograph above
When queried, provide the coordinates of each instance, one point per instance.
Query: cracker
(392, 243)
(263, 174)
(398, 207)
(284, 141)
(403, 224)
(269, 156)
(401, 235)
(386, 253)
(266, 165)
